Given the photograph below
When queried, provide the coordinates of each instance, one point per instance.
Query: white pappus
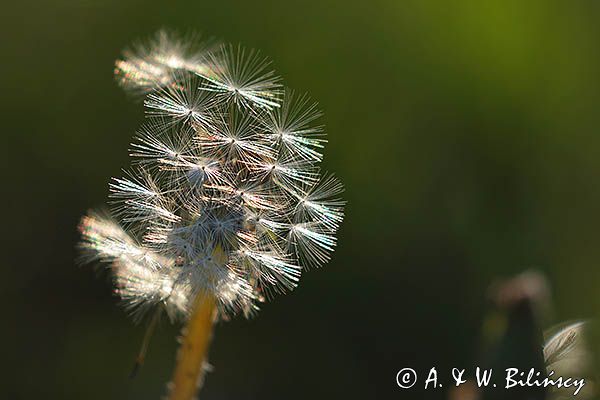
(224, 195)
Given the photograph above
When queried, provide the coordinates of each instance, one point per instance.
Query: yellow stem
(192, 354)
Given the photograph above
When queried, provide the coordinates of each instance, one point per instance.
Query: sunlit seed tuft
(224, 195)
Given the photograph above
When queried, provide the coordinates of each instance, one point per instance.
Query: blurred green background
(466, 133)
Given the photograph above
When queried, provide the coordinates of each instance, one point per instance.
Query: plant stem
(147, 336)
(188, 375)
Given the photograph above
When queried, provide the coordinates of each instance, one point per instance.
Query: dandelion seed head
(224, 195)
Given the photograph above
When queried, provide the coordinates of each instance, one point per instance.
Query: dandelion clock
(224, 204)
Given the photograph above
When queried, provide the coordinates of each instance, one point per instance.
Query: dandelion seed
(148, 66)
(235, 137)
(320, 202)
(241, 76)
(311, 242)
(286, 171)
(289, 127)
(182, 100)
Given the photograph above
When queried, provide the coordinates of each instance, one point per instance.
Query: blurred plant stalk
(513, 338)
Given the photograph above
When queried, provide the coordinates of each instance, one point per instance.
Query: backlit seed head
(224, 195)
